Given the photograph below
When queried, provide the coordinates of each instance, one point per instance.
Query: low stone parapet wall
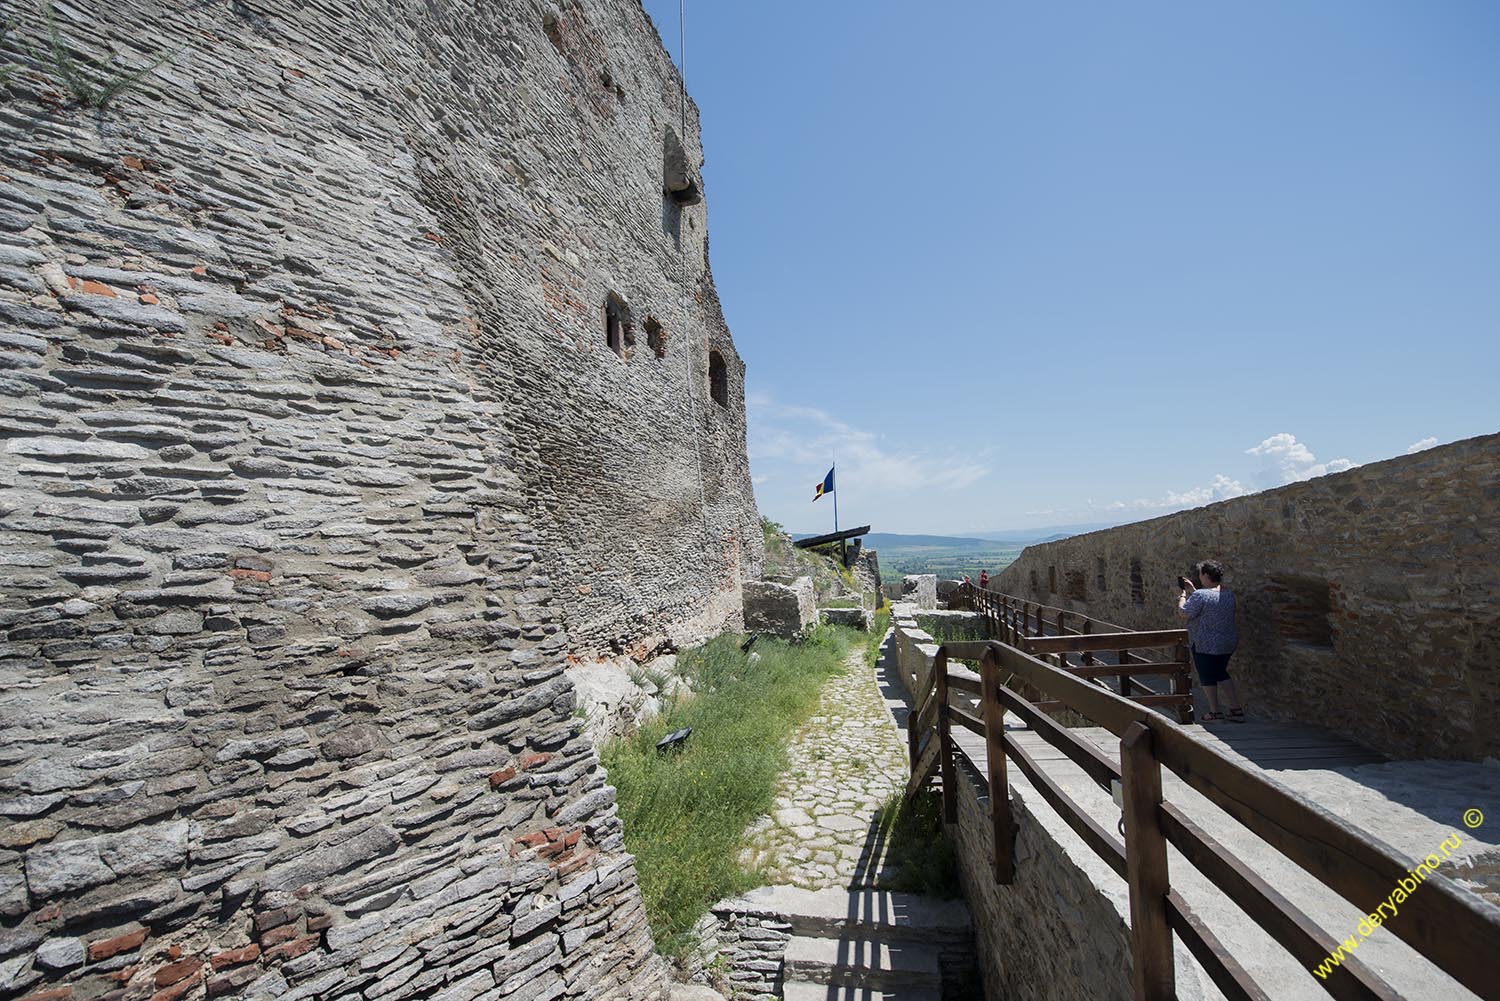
(1055, 933)
(855, 618)
(915, 648)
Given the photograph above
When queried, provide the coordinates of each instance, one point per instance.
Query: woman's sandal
(1212, 718)
(1236, 715)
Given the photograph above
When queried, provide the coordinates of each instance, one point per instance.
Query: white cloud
(1418, 446)
(1289, 460)
(1221, 488)
(805, 439)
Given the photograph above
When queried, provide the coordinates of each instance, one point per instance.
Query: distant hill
(889, 540)
(953, 556)
(947, 556)
(1048, 533)
(892, 540)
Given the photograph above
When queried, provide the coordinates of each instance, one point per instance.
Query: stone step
(863, 963)
(891, 917)
(796, 991)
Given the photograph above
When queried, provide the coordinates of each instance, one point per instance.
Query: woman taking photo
(1209, 611)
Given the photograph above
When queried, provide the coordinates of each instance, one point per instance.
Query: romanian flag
(826, 487)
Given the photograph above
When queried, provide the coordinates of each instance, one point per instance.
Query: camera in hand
(1182, 583)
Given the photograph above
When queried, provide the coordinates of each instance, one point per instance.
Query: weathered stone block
(784, 610)
(920, 589)
(858, 618)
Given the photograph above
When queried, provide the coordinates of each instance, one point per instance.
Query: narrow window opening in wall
(1034, 586)
(619, 333)
(1101, 582)
(1300, 610)
(718, 379)
(656, 337)
(1075, 585)
(1137, 583)
(1052, 580)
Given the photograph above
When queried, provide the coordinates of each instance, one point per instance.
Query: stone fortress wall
(348, 390)
(1369, 600)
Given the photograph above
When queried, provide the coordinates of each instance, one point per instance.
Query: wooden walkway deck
(1244, 843)
(1277, 745)
(1288, 753)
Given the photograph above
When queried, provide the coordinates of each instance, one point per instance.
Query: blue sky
(1037, 264)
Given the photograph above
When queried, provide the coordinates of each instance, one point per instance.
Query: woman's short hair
(1211, 570)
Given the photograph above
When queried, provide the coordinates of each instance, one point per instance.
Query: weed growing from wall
(89, 83)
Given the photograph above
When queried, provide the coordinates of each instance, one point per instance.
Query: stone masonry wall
(316, 468)
(1369, 600)
(1054, 933)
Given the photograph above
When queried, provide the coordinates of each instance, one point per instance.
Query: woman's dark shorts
(1213, 668)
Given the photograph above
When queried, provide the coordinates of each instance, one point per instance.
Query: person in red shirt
(984, 579)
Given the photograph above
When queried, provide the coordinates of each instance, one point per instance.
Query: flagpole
(843, 553)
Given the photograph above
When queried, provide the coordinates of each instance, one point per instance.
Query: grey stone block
(784, 610)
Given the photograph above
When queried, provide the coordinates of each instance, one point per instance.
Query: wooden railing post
(1123, 657)
(1182, 684)
(945, 741)
(1146, 868)
(1088, 655)
(1062, 655)
(994, 745)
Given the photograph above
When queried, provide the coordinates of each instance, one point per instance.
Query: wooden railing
(1455, 930)
(1057, 633)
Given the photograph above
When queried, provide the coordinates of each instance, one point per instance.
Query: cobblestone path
(844, 763)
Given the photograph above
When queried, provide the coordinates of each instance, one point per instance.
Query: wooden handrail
(1282, 919)
(1095, 763)
(1225, 971)
(963, 684)
(1054, 705)
(1111, 670)
(1456, 931)
(997, 597)
(1001, 612)
(1104, 641)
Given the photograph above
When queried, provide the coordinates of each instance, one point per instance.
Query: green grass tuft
(685, 813)
(919, 855)
(879, 623)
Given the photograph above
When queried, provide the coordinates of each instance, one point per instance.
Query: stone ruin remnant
(787, 610)
(921, 589)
